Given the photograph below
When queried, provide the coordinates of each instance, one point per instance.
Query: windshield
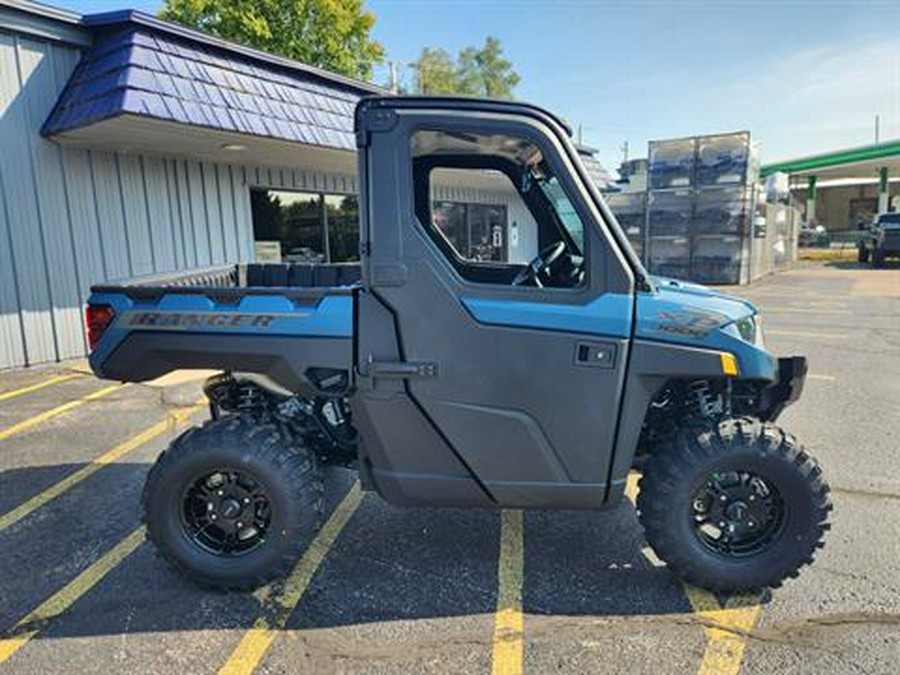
(555, 194)
(889, 219)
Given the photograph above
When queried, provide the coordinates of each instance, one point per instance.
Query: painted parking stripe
(256, 641)
(55, 490)
(53, 412)
(509, 622)
(60, 601)
(726, 627)
(823, 378)
(6, 395)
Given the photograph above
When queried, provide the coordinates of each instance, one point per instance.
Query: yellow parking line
(40, 385)
(256, 641)
(808, 334)
(108, 457)
(725, 627)
(60, 601)
(509, 622)
(825, 378)
(53, 412)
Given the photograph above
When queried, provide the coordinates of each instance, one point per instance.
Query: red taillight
(97, 317)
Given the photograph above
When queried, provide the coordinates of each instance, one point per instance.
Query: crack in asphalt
(863, 492)
(333, 644)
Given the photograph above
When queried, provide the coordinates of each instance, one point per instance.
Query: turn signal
(729, 364)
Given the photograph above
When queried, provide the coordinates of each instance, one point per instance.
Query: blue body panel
(689, 314)
(274, 315)
(673, 312)
(609, 315)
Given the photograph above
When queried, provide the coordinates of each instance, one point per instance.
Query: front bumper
(786, 389)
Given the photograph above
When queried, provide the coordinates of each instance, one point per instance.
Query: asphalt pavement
(390, 590)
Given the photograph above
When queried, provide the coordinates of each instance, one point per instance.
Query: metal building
(129, 145)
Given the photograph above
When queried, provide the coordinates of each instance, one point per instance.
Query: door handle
(402, 370)
(595, 354)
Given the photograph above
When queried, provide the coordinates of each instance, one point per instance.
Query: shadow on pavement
(388, 564)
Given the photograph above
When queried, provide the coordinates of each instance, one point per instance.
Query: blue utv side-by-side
(459, 365)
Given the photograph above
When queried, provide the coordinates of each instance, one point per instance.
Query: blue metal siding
(72, 217)
(140, 71)
(25, 219)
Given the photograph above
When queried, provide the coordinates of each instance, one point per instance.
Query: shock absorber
(707, 403)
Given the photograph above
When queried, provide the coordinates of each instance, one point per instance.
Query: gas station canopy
(863, 162)
(880, 161)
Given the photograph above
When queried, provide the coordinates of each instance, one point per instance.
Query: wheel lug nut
(213, 517)
(723, 498)
(752, 498)
(220, 493)
(722, 523)
(209, 506)
(751, 524)
(240, 525)
(246, 500)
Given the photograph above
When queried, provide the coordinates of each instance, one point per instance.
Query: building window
(310, 227)
(477, 232)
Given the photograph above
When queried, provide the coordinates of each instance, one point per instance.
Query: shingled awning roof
(143, 67)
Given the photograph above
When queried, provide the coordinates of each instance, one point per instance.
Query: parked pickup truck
(450, 372)
(881, 241)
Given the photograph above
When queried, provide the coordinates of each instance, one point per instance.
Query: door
(512, 351)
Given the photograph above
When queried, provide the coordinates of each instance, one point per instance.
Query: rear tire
(676, 511)
(863, 254)
(249, 473)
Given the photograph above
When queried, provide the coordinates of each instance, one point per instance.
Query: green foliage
(497, 75)
(476, 72)
(435, 72)
(330, 34)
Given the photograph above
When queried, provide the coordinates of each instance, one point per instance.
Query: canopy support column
(811, 200)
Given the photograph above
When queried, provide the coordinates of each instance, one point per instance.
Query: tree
(497, 75)
(476, 72)
(435, 72)
(331, 34)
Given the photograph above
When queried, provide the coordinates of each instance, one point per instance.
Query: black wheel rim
(737, 513)
(226, 512)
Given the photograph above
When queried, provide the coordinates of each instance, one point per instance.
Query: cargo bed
(291, 323)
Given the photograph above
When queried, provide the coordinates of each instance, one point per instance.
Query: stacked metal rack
(698, 208)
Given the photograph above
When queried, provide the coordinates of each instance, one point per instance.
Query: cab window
(494, 208)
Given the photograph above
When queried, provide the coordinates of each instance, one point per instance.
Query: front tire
(233, 504)
(734, 506)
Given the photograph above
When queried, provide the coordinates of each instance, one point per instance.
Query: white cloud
(820, 99)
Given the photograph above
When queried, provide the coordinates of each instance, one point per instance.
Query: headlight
(750, 330)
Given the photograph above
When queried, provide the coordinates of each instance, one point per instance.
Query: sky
(803, 77)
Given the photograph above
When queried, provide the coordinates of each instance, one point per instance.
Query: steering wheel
(540, 263)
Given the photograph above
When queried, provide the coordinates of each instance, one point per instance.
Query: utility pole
(580, 134)
(394, 87)
(624, 152)
(877, 128)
